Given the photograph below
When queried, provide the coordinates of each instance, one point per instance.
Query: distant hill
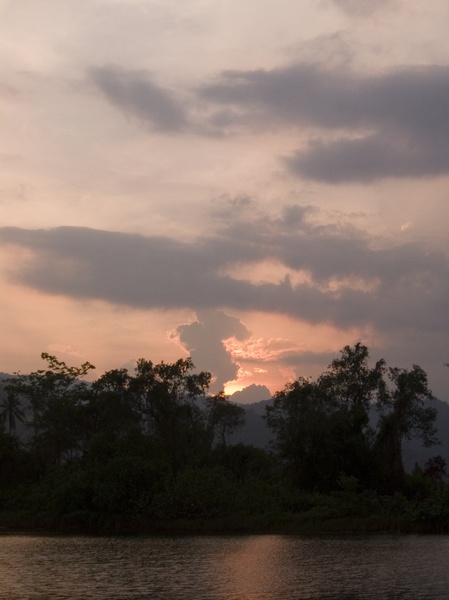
(255, 431)
(251, 394)
(414, 452)
(2, 377)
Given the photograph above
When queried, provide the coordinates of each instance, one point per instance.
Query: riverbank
(306, 523)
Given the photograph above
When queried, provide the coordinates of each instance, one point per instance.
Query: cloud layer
(388, 125)
(327, 274)
(359, 127)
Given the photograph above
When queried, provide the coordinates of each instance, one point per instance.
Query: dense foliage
(153, 445)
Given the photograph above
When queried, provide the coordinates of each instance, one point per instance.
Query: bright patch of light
(267, 271)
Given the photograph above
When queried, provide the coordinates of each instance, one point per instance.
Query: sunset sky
(255, 184)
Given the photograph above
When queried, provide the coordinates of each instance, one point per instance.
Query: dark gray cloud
(204, 341)
(362, 8)
(352, 281)
(367, 159)
(372, 126)
(137, 96)
(388, 125)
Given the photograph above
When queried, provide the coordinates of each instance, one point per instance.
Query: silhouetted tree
(352, 387)
(403, 416)
(11, 409)
(435, 470)
(302, 423)
(351, 383)
(168, 397)
(54, 396)
(224, 417)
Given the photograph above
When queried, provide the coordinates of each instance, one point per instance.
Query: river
(256, 567)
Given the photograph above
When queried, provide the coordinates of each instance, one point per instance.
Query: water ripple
(266, 567)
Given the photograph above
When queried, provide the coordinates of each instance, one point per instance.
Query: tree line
(154, 443)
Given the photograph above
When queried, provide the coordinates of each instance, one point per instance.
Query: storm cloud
(204, 340)
(350, 280)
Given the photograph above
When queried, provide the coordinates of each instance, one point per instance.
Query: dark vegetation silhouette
(151, 449)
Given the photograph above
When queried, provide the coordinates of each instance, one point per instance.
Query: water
(265, 567)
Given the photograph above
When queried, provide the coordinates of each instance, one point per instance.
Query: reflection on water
(271, 567)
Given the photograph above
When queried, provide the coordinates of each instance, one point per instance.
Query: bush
(196, 493)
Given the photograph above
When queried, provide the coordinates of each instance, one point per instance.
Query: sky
(252, 184)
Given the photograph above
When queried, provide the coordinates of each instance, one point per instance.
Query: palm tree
(11, 411)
